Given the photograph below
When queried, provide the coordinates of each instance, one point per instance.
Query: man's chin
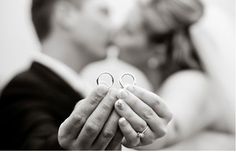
(101, 54)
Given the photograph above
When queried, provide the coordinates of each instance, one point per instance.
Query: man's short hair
(41, 12)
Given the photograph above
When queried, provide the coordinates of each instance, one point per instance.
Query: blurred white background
(18, 42)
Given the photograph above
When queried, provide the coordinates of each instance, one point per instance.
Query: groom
(47, 107)
(45, 97)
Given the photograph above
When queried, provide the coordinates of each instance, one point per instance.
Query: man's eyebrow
(76, 3)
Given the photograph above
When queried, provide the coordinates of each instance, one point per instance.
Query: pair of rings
(102, 81)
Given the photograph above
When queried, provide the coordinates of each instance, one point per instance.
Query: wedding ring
(141, 134)
(102, 81)
(123, 83)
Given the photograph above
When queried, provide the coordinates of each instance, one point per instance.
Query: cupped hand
(93, 124)
(144, 116)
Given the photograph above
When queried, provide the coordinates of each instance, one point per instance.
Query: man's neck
(65, 51)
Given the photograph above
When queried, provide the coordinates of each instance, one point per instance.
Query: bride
(157, 40)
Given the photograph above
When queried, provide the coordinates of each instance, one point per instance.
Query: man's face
(92, 28)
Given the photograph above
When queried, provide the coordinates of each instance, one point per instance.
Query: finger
(156, 124)
(137, 123)
(131, 139)
(148, 137)
(87, 106)
(74, 123)
(125, 111)
(70, 127)
(115, 143)
(108, 132)
(97, 119)
(153, 100)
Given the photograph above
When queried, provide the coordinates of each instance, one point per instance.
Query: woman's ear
(65, 15)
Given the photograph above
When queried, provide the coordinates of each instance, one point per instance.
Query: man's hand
(93, 124)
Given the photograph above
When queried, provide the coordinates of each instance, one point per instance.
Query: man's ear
(66, 15)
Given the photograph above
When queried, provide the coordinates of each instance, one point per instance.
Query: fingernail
(123, 94)
(130, 88)
(119, 105)
(122, 121)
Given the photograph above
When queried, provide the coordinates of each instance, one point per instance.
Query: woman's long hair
(168, 22)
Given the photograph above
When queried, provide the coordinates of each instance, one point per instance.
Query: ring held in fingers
(127, 79)
(103, 79)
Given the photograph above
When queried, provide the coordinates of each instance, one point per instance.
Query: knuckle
(142, 127)
(108, 134)
(162, 132)
(94, 99)
(155, 104)
(91, 128)
(106, 107)
(98, 95)
(76, 121)
(76, 118)
(100, 92)
(148, 114)
(129, 116)
(113, 94)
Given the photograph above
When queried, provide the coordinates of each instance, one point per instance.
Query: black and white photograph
(117, 75)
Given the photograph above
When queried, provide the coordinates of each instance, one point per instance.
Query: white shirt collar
(70, 76)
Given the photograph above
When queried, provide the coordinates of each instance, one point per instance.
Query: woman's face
(131, 38)
(133, 41)
(136, 45)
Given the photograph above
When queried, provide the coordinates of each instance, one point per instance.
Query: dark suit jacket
(32, 107)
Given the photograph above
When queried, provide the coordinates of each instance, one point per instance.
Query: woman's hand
(93, 123)
(144, 116)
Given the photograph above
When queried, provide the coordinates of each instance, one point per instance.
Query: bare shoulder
(188, 78)
(186, 85)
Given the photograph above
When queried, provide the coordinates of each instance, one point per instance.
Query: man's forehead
(119, 9)
(77, 2)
